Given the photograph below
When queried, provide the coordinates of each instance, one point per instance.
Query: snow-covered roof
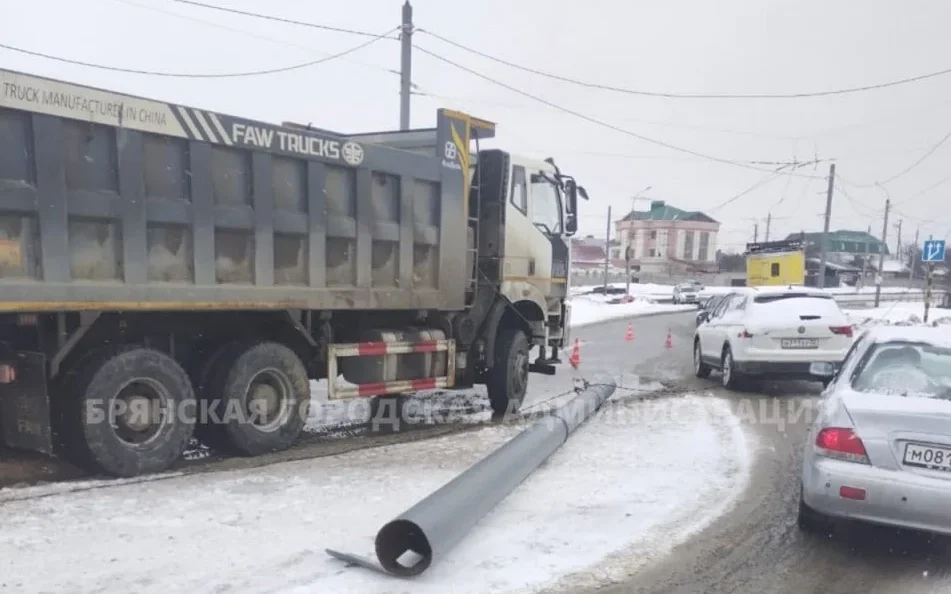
(779, 290)
(894, 266)
(938, 336)
(831, 265)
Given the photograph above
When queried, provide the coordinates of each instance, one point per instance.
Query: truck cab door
(536, 251)
(551, 245)
(519, 263)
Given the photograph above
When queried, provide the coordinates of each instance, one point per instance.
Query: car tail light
(8, 374)
(744, 334)
(842, 444)
(841, 330)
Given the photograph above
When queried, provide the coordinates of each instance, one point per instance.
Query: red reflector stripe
(853, 493)
(369, 349)
(378, 388)
(376, 349)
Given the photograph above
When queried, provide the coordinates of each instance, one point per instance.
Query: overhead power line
(224, 27)
(616, 89)
(910, 167)
(278, 19)
(590, 119)
(769, 177)
(197, 74)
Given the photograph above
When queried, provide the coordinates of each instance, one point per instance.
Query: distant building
(843, 247)
(666, 239)
(587, 253)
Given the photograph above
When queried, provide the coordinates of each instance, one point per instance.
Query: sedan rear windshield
(905, 369)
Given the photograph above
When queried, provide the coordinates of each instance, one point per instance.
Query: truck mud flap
(25, 406)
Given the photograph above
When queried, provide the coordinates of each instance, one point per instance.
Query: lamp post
(628, 249)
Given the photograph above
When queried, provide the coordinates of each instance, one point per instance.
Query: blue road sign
(933, 251)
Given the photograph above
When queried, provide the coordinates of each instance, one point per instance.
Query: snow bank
(591, 309)
(897, 313)
(656, 290)
(631, 484)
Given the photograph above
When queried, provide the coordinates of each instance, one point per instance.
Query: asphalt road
(757, 547)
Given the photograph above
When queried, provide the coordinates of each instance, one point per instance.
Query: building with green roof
(667, 239)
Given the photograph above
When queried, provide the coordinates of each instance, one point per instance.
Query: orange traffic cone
(669, 341)
(575, 358)
(629, 335)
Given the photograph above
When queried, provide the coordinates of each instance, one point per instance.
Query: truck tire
(129, 411)
(205, 370)
(260, 395)
(507, 381)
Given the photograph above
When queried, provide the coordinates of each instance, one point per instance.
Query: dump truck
(775, 263)
(166, 269)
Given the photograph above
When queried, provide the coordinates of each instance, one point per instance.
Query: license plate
(922, 456)
(821, 368)
(799, 343)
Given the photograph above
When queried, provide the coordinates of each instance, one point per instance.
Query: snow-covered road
(639, 478)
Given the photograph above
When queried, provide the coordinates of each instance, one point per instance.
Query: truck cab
(536, 259)
(527, 211)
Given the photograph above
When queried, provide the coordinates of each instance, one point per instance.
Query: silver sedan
(879, 450)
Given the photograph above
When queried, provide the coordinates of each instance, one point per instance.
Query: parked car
(772, 332)
(879, 450)
(695, 283)
(707, 306)
(686, 293)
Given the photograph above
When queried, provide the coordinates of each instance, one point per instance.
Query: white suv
(773, 333)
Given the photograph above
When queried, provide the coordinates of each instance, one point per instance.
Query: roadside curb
(652, 314)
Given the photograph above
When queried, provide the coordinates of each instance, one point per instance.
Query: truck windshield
(546, 205)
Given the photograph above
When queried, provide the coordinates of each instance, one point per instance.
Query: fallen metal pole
(407, 545)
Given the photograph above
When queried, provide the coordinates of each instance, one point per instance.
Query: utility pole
(769, 219)
(755, 232)
(825, 228)
(929, 280)
(631, 238)
(881, 255)
(865, 259)
(406, 64)
(898, 243)
(912, 263)
(628, 249)
(607, 252)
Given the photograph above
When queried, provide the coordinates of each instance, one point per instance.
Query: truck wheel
(130, 411)
(209, 368)
(507, 381)
(260, 396)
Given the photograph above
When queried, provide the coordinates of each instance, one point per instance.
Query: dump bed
(114, 202)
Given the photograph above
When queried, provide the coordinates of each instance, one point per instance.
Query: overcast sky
(679, 46)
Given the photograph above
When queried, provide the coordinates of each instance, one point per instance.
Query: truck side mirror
(571, 193)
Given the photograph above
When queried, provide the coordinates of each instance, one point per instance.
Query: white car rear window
(906, 369)
(798, 303)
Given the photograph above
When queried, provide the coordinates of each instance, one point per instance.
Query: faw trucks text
(286, 141)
